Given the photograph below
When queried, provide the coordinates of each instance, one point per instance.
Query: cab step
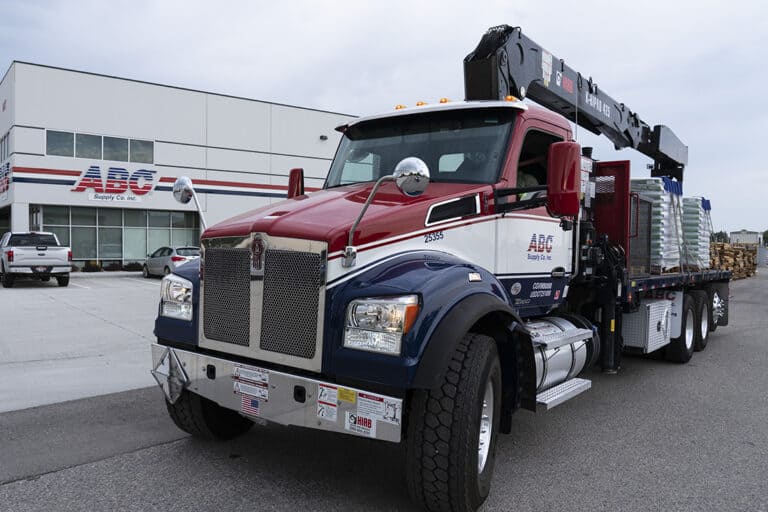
(561, 393)
(559, 339)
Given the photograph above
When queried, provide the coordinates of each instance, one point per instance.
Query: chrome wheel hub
(689, 330)
(486, 427)
(718, 307)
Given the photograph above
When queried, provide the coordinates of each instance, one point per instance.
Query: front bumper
(278, 397)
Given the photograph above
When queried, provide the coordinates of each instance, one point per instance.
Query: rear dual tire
(680, 350)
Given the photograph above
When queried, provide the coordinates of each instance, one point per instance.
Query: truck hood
(327, 215)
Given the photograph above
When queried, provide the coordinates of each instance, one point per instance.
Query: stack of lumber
(741, 259)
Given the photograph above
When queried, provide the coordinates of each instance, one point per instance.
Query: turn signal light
(510, 98)
(9, 255)
(421, 103)
(399, 107)
(178, 258)
(69, 255)
(443, 100)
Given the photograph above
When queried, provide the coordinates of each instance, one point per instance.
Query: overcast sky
(697, 66)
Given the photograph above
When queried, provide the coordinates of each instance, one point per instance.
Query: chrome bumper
(276, 396)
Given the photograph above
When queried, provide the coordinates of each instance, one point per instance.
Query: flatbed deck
(687, 278)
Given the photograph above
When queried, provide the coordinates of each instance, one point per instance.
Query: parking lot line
(79, 285)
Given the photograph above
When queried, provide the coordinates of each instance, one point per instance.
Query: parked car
(33, 254)
(165, 259)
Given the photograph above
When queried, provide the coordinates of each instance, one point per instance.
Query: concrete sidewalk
(84, 340)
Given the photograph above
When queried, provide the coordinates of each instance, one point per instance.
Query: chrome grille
(289, 321)
(227, 295)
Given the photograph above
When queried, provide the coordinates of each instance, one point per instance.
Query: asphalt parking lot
(87, 339)
(659, 436)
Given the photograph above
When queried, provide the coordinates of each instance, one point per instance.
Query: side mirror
(411, 176)
(564, 179)
(296, 183)
(182, 190)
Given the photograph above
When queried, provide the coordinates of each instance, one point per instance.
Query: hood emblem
(258, 249)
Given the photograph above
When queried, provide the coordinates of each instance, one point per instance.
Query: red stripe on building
(54, 172)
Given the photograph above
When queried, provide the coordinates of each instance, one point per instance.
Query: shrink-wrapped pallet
(666, 221)
(696, 233)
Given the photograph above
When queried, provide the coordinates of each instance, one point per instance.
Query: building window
(60, 143)
(88, 146)
(115, 149)
(142, 151)
(114, 238)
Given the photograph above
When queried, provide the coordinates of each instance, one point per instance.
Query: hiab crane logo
(540, 247)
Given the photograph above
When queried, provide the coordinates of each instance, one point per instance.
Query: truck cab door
(534, 253)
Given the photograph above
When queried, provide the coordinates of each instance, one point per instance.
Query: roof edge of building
(188, 89)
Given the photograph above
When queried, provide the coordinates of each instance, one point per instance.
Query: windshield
(33, 240)
(458, 146)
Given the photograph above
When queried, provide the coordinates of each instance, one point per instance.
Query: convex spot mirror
(411, 176)
(182, 189)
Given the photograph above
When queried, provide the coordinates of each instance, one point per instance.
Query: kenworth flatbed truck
(462, 261)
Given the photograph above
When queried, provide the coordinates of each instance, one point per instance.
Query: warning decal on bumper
(255, 375)
(260, 392)
(379, 408)
(327, 402)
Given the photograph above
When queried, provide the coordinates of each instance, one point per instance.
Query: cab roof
(438, 107)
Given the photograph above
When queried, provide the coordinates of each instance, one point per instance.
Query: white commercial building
(93, 158)
(746, 237)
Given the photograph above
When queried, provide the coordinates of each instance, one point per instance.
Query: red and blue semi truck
(463, 260)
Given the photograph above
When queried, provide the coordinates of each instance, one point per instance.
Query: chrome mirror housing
(182, 189)
(411, 176)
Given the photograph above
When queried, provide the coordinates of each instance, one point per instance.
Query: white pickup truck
(34, 254)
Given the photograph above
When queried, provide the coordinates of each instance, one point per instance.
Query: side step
(558, 339)
(562, 392)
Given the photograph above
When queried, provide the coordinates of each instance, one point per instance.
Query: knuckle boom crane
(507, 62)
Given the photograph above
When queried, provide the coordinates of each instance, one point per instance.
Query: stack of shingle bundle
(666, 221)
(696, 233)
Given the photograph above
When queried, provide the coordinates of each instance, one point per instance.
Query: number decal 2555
(433, 237)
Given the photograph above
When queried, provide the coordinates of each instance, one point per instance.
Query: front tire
(206, 419)
(680, 350)
(452, 433)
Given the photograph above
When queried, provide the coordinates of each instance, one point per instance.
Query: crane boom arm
(506, 62)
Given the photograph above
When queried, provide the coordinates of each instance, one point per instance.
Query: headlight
(378, 325)
(176, 297)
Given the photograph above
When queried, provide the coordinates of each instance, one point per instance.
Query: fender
(450, 305)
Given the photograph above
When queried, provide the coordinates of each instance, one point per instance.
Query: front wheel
(452, 434)
(206, 419)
